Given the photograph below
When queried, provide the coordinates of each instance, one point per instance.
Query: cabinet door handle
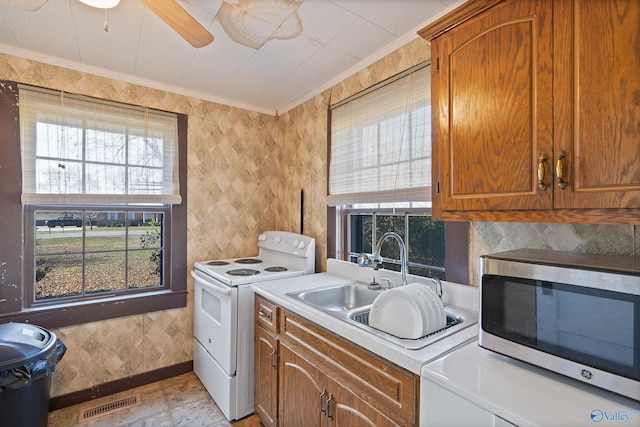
(542, 172)
(329, 411)
(274, 359)
(323, 403)
(561, 169)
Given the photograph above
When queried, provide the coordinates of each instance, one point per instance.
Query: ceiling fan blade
(180, 20)
(30, 5)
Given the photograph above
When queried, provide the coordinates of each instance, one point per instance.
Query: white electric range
(223, 315)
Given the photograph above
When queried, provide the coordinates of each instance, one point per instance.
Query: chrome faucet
(375, 260)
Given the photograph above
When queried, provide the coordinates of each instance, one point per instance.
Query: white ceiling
(337, 38)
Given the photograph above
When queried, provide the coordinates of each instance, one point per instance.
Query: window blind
(381, 143)
(79, 150)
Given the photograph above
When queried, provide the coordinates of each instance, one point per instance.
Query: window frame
(13, 307)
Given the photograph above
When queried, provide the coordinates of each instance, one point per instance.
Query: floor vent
(109, 407)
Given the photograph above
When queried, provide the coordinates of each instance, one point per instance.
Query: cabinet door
(266, 377)
(345, 409)
(597, 102)
(492, 109)
(301, 394)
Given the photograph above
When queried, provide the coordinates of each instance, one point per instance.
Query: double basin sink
(351, 302)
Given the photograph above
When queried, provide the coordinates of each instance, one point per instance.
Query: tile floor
(174, 402)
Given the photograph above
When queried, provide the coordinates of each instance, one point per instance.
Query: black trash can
(28, 356)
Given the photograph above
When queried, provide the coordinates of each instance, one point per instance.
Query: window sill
(60, 315)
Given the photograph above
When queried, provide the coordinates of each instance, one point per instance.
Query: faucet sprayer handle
(364, 260)
(370, 260)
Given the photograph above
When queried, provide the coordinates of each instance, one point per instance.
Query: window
(381, 143)
(423, 237)
(78, 150)
(104, 216)
(380, 178)
(82, 254)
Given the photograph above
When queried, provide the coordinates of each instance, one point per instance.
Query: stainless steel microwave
(575, 314)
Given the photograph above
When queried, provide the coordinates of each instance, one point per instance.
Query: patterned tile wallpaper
(487, 237)
(246, 172)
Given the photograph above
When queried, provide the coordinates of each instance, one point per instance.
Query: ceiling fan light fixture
(101, 4)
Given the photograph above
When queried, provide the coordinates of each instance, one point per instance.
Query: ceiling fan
(168, 10)
(180, 20)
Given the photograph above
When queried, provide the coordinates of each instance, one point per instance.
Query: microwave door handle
(224, 290)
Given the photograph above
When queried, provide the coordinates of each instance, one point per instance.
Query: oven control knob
(262, 237)
(301, 245)
(296, 242)
(277, 239)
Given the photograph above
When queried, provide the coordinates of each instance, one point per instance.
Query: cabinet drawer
(266, 314)
(387, 387)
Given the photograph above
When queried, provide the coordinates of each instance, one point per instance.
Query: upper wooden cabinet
(492, 86)
(597, 101)
(536, 110)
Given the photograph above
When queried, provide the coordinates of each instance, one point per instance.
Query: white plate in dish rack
(410, 311)
(433, 309)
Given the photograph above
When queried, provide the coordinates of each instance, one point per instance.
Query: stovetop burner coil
(217, 263)
(243, 272)
(248, 261)
(276, 269)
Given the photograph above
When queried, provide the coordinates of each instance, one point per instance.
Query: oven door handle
(220, 289)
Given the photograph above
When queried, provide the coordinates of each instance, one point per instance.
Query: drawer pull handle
(542, 172)
(323, 403)
(264, 314)
(561, 169)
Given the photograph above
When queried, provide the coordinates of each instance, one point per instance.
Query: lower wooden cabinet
(307, 376)
(266, 376)
(309, 397)
(344, 409)
(302, 399)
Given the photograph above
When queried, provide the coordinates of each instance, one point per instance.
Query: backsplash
(487, 237)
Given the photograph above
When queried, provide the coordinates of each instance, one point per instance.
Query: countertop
(527, 395)
(341, 272)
